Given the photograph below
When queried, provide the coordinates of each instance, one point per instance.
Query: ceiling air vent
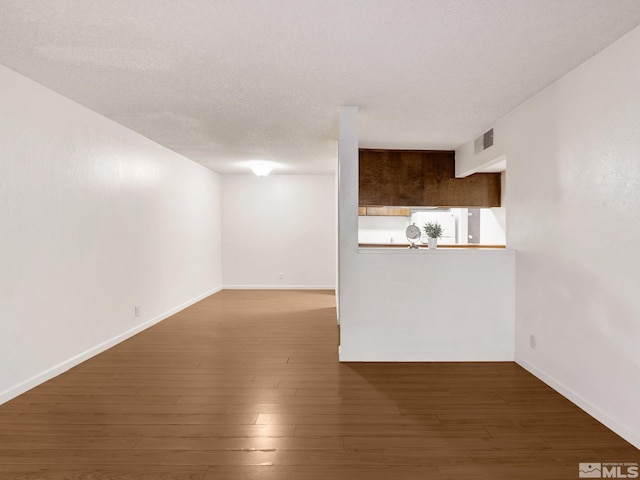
(484, 141)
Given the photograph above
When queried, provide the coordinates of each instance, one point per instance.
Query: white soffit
(226, 82)
(499, 166)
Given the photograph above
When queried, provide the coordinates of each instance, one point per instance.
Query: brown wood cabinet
(422, 178)
(384, 211)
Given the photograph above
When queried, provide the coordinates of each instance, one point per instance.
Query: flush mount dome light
(261, 169)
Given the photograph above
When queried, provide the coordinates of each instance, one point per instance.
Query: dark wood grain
(422, 178)
(247, 385)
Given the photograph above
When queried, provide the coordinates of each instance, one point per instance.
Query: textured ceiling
(224, 82)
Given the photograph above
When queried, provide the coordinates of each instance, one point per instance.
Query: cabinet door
(388, 211)
(422, 178)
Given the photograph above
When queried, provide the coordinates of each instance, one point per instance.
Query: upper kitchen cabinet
(422, 178)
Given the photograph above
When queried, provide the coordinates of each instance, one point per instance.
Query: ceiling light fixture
(261, 169)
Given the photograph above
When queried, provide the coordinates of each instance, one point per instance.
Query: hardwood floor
(246, 385)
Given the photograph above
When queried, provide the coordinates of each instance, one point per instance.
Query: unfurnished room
(319, 239)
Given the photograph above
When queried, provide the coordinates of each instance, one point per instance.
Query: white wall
(96, 219)
(492, 226)
(279, 224)
(573, 154)
(401, 305)
(383, 229)
(421, 305)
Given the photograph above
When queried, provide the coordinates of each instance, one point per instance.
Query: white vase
(433, 243)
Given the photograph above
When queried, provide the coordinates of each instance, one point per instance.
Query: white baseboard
(597, 413)
(388, 356)
(62, 367)
(278, 287)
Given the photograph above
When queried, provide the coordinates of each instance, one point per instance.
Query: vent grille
(484, 141)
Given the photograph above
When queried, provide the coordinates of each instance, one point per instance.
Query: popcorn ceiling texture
(224, 82)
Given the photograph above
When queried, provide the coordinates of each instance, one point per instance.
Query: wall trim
(62, 367)
(593, 410)
(278, 287)
(390, 356)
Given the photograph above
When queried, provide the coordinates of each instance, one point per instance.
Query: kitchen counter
(424, 247)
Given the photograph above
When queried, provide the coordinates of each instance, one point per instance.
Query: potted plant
(434, 232)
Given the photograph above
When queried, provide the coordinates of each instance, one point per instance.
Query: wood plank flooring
(246, 385)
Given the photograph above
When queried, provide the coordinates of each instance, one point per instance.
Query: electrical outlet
(532, 341)
(281, 276)
(136, 311)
